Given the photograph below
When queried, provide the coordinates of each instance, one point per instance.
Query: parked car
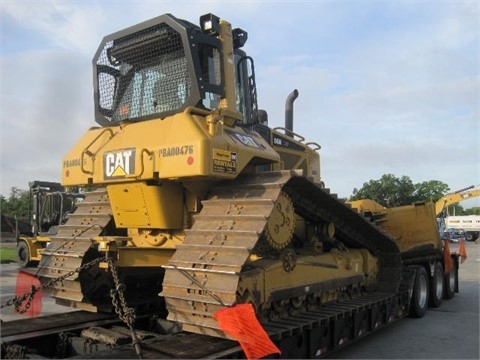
(453, 235)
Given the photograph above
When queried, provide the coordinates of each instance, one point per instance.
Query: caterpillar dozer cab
(199, 204)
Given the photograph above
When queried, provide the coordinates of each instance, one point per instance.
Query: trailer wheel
(437, 286)
(419, 301)
(23, 254)
(471, 235)
(451, 282)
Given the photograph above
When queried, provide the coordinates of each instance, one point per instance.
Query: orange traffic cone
(463, 252)
(447, 258)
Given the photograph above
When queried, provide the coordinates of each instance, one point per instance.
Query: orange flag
(25, 281)
(447, 258)
(241, 323)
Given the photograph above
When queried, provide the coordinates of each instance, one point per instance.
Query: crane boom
(455, 197)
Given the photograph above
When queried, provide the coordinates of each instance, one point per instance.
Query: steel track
(203, 274)
(72, 247)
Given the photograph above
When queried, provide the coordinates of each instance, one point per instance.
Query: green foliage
(458, 210)
(7, 254)
(388, 191)
(391, 191)
(432, 190)
(473, 211)
(17, 203)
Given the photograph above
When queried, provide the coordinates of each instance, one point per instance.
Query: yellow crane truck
(455, 197)
(198, 205)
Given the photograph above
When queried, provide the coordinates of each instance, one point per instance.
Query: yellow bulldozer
(198, 204)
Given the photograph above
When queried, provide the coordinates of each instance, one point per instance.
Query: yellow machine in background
(49, 207)
(458, 226)
(198, 199)
(413, 227)
(415, 230)
(455, 197)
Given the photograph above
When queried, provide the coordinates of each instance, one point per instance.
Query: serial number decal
(118, 164)
(72, 163)
(176, 151)
(224, 161)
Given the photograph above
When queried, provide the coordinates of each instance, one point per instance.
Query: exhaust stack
(289, 111)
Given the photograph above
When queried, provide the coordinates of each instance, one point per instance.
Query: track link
(203, 274)
(72, 247)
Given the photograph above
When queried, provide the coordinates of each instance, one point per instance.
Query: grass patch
(7, 255)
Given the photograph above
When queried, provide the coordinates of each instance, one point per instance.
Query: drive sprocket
(281, 223)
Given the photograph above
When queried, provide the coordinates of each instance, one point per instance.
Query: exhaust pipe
(289, 111)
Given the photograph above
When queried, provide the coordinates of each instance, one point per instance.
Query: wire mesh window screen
(149, 74)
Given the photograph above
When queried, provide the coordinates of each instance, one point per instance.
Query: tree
(458, 210)
(391, 191)
(432, 190)
(17, 204)
(388, 191)
(473, 211)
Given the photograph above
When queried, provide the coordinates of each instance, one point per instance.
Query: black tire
(451, 282)
(472, 235)
(437, 286)
(23, 254)
(421, 289)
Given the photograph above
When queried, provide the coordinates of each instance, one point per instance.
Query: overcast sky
(385, 87)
